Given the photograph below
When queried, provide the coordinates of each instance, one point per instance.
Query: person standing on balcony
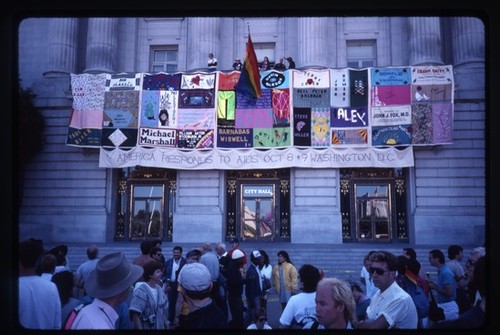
(212, 62)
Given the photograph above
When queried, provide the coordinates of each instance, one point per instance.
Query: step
(342, 261)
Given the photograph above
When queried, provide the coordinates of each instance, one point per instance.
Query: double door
(257, 211)
(373, 205)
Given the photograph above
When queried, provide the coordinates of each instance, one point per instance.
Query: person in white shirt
(212, 61)
(260, 320)
(420, 94)
(39, 303)
(365, 277)
(109, 284)
(391, 306)
(266, 271)
(301, 307)
(335, 305)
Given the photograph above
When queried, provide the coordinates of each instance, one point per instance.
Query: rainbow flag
(415, 279)
(249, 81)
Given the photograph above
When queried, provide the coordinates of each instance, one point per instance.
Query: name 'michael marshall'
(157, 137)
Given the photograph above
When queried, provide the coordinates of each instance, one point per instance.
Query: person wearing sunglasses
(260, 320)
(476, 316)
(390, 306)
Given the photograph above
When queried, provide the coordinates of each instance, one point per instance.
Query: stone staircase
(342, 261)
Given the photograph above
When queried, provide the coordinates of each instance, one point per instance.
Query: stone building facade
(67, 197)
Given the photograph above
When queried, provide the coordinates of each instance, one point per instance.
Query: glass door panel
(257, 212)
(147, 211)
(249, 218)
(373, 219)
(266, 224)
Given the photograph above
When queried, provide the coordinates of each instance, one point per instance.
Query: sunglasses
(379, 271)
(262, 320)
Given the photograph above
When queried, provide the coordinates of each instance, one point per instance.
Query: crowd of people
(212, 287)
(266, 64)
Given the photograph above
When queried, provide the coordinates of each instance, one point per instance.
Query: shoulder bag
(436, 313)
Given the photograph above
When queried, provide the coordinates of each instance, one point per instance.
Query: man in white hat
(235, 245)
(235, 282)
(109, 284)
(196, 283)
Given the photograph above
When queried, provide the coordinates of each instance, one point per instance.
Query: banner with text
(243, 159)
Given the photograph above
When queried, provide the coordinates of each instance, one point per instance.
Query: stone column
(468, 37)
(425, 41)
(203, 38)
(102, 43)
(62, 47)
(313, 42)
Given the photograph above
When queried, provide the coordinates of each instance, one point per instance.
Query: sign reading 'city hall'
(328, 118)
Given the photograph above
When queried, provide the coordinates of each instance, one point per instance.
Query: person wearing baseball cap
(196, 283)
(235, 282)
(235, 244)
(182, 308)
(109, 284)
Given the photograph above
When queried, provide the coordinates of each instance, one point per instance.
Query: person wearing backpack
(416, 287)
(64, 282)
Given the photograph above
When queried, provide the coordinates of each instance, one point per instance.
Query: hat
(195, 277)
(235, 240)
(237, 253)
(113, 274)
(256, 254)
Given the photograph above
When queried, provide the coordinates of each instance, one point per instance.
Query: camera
(150, 319)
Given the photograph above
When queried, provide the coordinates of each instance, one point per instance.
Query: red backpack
(72, 315)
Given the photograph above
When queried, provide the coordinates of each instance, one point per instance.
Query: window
(164, 59)
(145, 203)
(146, 210)
(265, 49)
(361, 53)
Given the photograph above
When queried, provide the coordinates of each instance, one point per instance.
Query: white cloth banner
(246, 159)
